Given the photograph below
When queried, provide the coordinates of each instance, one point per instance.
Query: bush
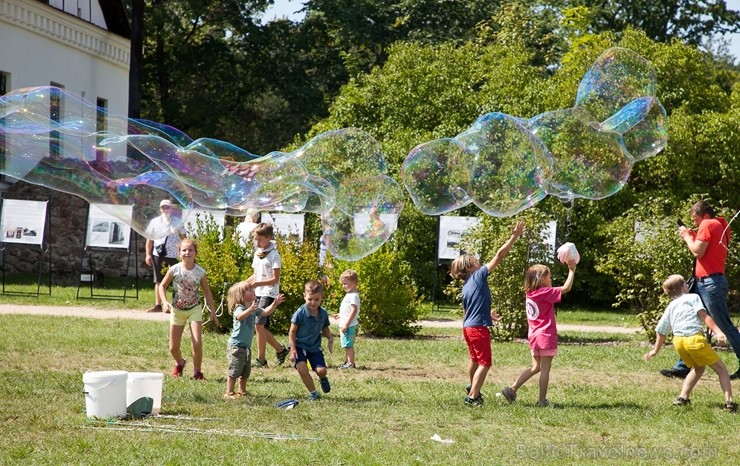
(507, 280)
(389, 305)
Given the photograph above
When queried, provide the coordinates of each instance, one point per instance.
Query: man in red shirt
(709, 246)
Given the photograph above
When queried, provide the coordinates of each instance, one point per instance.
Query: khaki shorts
(183, 317)
(695, 350)
(239, 362)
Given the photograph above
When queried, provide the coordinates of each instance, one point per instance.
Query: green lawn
(609, 407)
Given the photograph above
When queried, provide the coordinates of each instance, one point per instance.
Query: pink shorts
(543, 345)
(479, 344)
(544, 352)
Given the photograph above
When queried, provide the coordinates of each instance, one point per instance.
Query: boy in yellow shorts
(684, 316)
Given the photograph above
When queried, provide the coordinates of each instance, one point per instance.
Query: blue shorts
(348, 339)
(315, 358)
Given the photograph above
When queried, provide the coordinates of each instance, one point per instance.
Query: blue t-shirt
(308, 336)
(476, 298)
(242, 331)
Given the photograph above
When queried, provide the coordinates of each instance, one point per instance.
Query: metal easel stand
(96, 285)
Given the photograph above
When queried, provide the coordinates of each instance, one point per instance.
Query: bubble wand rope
(722, 237)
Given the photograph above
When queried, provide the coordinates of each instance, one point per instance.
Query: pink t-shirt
(540, 304)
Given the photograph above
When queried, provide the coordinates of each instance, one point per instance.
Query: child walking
(266, 276)
(543, 332)
(243, 307)
(307, 325)
(683, 317)
(187, 277)
(349, 311)
(476, 300)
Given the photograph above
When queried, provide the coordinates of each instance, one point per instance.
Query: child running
(243, 307)
(543, 332)
(307, 325)
(476, 300)
(683, 317)
(349, 310)
(186, 277)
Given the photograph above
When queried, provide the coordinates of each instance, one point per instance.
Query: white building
(81, 46)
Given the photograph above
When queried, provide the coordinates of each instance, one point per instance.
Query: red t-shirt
(714, 258)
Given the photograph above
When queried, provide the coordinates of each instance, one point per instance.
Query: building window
(55, 113)
(101, 126)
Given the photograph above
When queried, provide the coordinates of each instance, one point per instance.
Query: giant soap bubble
(505, 164)
(55, 139)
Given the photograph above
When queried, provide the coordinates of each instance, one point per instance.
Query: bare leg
(196, 328)
(724, 379)
(472, 367)
(157, 300)
(479, 376)
(545, 365)
(528, 373)
(691, 380)
(243, 385)
(230, 382)
(302, 369)
(321, 372)
(175, 340)
(350, 352)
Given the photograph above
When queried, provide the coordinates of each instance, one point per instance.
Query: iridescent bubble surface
(56, 139)
(505, 164)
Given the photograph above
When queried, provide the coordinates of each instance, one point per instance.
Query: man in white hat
(162, 251)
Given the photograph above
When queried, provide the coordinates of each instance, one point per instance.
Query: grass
(609, 406)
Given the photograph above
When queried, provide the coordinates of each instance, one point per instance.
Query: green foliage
(388, 295)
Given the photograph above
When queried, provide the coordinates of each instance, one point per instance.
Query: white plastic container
(105, 393)
(145, 385)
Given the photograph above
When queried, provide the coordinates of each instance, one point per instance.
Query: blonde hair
(236, 293)
(349, 274)
(673, 286)
(314, 286)
(534, 275)
(462, 266)
(187, 240)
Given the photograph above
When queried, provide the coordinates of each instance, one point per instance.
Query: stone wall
(66, 237)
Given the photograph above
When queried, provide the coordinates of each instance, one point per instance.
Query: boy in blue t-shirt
(476, 300)
(683, 317)
(307, 325)
(244, 307)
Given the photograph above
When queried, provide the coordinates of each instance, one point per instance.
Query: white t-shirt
(681, 316)
(345, 309)
(165, 231)
(186, 285)
(263, 270)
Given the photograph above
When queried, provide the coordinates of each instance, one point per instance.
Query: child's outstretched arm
(209, 299)
(247, 312)
(659, 342)
(711, 325)
(271, 308)
(571, 276)
(503, 251)
(330, 338)
(291, 339)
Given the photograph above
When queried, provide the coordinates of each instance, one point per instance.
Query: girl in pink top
(543, 332)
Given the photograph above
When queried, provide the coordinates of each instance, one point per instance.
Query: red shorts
(479, 344)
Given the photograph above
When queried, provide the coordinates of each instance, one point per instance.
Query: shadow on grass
(625, 405)
(599, 339)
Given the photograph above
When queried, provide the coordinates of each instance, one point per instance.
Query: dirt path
(94, 313)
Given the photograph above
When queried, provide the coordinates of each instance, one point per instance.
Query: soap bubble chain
(55, 139)
(505, 164)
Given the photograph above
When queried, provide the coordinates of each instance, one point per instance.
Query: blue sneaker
(313, 396)
(325, 387)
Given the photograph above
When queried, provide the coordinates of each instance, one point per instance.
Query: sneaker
(731, 407)
(673, 372)
(155, 308)
(680, 401)
(347, 365)
(476, 402)
(735, 376)
(325, 387)
(199, 376)
(281, 355)
(509, 394)
(313, 396)
(542, 404)
(177, 370)
(467, 389)
(259, 363)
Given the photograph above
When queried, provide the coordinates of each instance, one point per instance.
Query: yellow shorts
(695, 351)
(182, 317)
